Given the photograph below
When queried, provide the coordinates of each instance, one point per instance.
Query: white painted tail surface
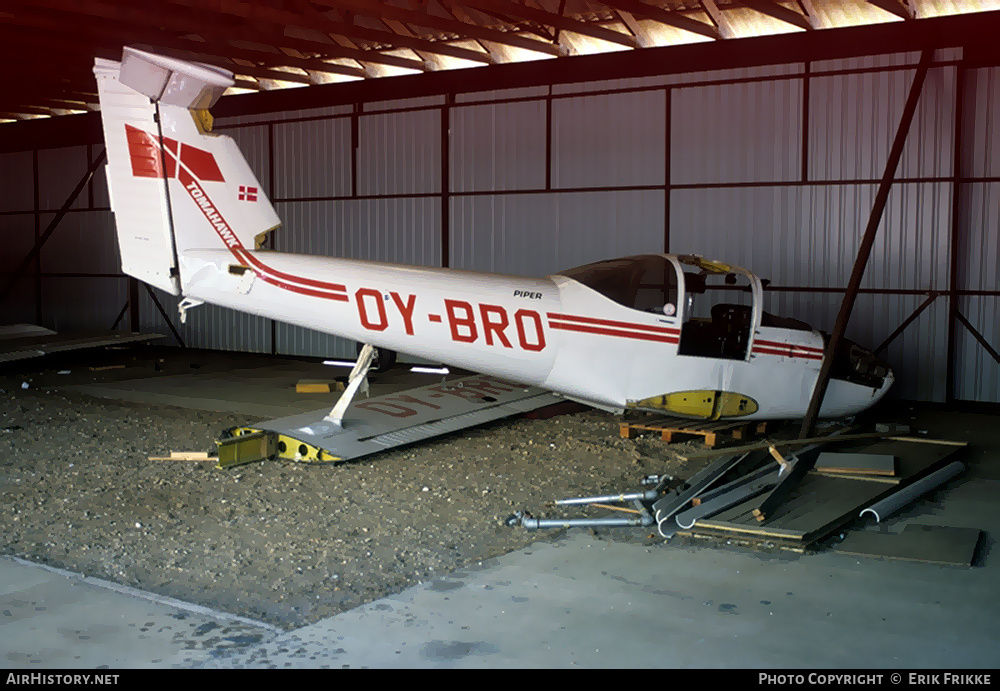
(175, 186)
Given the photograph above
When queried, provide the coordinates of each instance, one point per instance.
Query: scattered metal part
(523, 518)
(742, 492)
(671, 503)
(640, 518)
(647, 495)
(897, 500)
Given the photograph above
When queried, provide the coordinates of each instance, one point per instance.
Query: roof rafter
(773, 9)
(715, 14)
(322, 22)
(668, 17)
(431, 21)
(907, 9)
(557, 21)
(127, 29)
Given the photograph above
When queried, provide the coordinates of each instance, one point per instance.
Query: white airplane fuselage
(549, 332)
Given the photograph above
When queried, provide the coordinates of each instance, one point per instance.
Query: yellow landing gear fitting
(240, 445)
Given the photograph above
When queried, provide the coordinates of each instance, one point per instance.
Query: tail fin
(174, 184)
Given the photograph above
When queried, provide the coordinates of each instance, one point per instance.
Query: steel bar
(648, 495)
(530, 523)
(932, 296)
(163, 313)
(978, 336)
(867, 241)
(957, 219)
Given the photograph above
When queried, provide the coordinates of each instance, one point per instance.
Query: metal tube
(536, 523)
(894, 502)
(647, 495)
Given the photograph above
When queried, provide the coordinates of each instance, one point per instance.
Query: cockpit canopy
(645, 282)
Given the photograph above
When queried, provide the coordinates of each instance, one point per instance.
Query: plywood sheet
(936, 544)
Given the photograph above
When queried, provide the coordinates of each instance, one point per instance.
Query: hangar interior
(521, 137)
(770, 160)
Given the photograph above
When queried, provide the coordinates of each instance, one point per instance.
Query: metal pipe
(897, 500)
(647, 495)
(530, 523)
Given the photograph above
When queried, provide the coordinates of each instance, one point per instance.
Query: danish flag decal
(248, 194)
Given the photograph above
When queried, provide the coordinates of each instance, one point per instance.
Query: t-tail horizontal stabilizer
(384, 422)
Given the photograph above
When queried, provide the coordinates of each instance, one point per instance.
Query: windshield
(646, 282)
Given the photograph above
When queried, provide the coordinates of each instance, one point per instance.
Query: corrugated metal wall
(774, 168)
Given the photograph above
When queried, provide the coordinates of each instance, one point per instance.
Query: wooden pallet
(712, 431)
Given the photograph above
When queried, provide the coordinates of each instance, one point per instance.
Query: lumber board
(184, 456)
(934, 544)
(782, 443)
(851, 476)
(317, 386)
(856, 463)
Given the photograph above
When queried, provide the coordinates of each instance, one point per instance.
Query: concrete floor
(582, 600)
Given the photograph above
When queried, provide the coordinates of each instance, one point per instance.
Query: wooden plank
(934, 544)
(856, 463)
(782, 443)
(184, 456)
(317, 386)
(851, 476)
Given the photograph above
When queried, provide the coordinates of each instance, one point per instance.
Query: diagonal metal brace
(33, 253)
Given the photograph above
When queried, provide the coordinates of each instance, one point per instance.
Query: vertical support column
(956, 226)
(668, 93)
(355, 142)
(548, 140)
(133, 305)
(37, 194)
(804, 172)
(274, 234)
(449, 101)
(864, 251)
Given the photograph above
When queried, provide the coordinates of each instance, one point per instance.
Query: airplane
(671, 333)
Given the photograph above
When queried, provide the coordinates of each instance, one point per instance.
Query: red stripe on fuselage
(557, 317)
(337, 291)
(638, 335)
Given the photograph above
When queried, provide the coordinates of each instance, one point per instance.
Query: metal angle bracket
(184, 305)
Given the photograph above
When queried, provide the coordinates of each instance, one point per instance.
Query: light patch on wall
(659, 34)
(746, 22)
(582, 44)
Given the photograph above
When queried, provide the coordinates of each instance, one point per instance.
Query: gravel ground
(278, 541)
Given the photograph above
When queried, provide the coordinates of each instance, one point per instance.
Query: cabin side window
(647, 283)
